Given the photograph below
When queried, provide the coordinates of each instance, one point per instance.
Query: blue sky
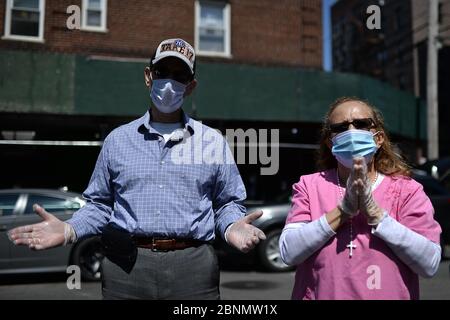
(326, 18)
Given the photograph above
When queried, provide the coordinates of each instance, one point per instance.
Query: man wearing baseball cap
(158, 216)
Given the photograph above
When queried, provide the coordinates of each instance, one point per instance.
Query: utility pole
(432, 81)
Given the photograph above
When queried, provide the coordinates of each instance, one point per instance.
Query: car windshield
(51, 204)
(7, 204)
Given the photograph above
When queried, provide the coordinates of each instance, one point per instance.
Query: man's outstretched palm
(53, 232)
(244, 236)
(44, 235)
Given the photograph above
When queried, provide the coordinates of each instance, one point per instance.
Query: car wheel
(269, 253)
(88, 255)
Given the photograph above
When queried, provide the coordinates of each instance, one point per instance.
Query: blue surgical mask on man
(354, 143)
(167, 94)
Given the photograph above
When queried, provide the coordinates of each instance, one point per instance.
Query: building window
(212, 28)
(94, 15)
(24, 20)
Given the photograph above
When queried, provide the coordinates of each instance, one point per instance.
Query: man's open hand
(243, 235)
(49, 233)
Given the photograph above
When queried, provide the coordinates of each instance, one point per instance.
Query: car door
(8, 210)
(54, 259)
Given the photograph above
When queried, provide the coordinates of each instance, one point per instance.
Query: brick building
(73, 86)
(287, 32)
(397, 53)
(259, 64)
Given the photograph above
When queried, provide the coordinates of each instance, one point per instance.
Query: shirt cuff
(226, 232)
(78, 227)
(380, 226)
(227, 218)
(325, 226)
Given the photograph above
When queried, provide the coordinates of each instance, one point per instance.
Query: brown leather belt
(158, 244)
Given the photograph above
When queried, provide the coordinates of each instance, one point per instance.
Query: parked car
(438, 169)
(267, 253)
(440, 198)
(16, 210)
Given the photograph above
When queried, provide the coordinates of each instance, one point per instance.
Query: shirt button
(160, 186)
(162, 162)
(158, 212)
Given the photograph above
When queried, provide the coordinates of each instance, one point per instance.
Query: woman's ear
(148, 77)
(379, 138)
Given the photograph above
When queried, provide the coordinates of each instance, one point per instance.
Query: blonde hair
(386, 160)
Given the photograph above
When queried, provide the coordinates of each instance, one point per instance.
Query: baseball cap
(176, 48)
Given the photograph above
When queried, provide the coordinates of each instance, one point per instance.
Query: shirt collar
(188, 122)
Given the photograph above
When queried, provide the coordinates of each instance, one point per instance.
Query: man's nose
(351, 126)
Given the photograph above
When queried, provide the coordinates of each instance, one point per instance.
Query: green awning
(69, 84)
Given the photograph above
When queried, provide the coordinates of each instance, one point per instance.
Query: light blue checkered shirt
(137, 185)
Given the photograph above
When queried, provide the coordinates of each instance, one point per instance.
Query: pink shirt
(374, 271)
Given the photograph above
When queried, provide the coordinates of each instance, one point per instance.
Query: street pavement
(235, 285)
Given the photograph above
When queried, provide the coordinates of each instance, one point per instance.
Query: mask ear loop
(374, 134)
(378, 149)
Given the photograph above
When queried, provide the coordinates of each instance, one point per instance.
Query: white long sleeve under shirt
(300, 240)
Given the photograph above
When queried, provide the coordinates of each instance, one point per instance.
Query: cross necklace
(351, 245)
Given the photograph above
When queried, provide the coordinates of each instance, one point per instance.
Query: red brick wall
(282, 32)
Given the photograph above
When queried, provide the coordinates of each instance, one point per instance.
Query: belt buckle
(154, 249)
(153, 245)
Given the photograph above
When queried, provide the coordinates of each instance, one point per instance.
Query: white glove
(244, 236)
(368, 206)
(350, 203)
(49, 233)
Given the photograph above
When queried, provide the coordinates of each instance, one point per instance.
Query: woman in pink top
(361, 228)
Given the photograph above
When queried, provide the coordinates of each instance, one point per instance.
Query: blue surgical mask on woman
(354, 143)
(167, 94)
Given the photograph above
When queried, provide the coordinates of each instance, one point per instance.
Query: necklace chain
(351, 246)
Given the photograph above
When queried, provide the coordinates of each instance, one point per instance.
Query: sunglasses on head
(361, 124)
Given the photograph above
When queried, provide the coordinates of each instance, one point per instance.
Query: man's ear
(148, 77)
(190, 87)
(328, 143)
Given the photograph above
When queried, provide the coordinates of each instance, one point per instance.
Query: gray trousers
(191, 273)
